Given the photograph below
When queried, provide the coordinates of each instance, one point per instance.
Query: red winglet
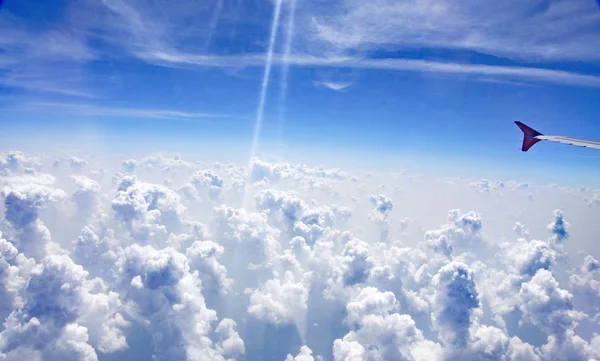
(529, 136)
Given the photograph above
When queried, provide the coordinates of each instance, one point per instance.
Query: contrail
(213, 24)
(263, 91)
(285, 71)
(265, 81)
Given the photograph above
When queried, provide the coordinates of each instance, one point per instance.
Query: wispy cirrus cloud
(353, 28)
(339, 34)
(335, 86)
(551, 30)
(42, 58)
(527, 73)
(124, 112)
(562, 30)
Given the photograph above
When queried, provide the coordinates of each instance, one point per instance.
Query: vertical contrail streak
(285, 70)
(213, 23)
(265, 81)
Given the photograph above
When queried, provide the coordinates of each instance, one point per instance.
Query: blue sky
(403, 83)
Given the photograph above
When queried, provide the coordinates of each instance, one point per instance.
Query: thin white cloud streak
(335, 86)
(289, 37)
(265, 81)
(395, 64)
(42, 85)
(101, 111)
(213, 23)
(550, 30)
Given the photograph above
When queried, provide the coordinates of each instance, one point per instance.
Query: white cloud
(462, 230)
(149, 271)
(547, 306)
(94, 110)
(280, 302)
(304, 355)
(529, 257)
(558, 227)
(202, 256)
(455, 299)
(353, 24)
(171, 306)
(22, 204)
(58, 299)
(370, 302)
(335, 86)
(525, 73)
(377, 332)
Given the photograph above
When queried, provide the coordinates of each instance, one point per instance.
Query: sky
(285, 180)
(421, 83)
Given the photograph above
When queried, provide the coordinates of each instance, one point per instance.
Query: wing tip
(529, 136)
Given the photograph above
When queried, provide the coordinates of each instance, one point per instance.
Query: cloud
(335, 86)
(86, 197)
(202, 256)
(82, 109)
(147, 210)
(455, 299)
(59, 299)
(169, 302)
(377, 332)
(280, 302)
(462, 230)
(22, 204)
(49, 68)
(370, 302)
(246, 232)
(521, 230)
(352, 24)
(558, 227)
(149, 272)
(525, 73)
(529, 257)
(209, 183)
(547, 306)
(17, 162)
(587, 281)
(304, 355)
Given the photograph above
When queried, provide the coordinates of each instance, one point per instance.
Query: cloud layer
(175, 259)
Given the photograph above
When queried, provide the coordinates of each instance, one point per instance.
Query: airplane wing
(571, 141)
(532, 136)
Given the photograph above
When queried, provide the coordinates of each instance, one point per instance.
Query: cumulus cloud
(86, 196)
(203, 257)
(545, 305)
(455, 299)
(280, 302)
(558, 227)
(22, 205)
(304, 355)
(16, 162)
(462, 230)
(208, 181)
(166, 296)
(147, 211)
(77, 163)
(377, 332)
(586, 282)
(176, 259)
(529, 257)
(59, 300)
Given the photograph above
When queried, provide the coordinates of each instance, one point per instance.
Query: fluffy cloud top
(182, 260)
